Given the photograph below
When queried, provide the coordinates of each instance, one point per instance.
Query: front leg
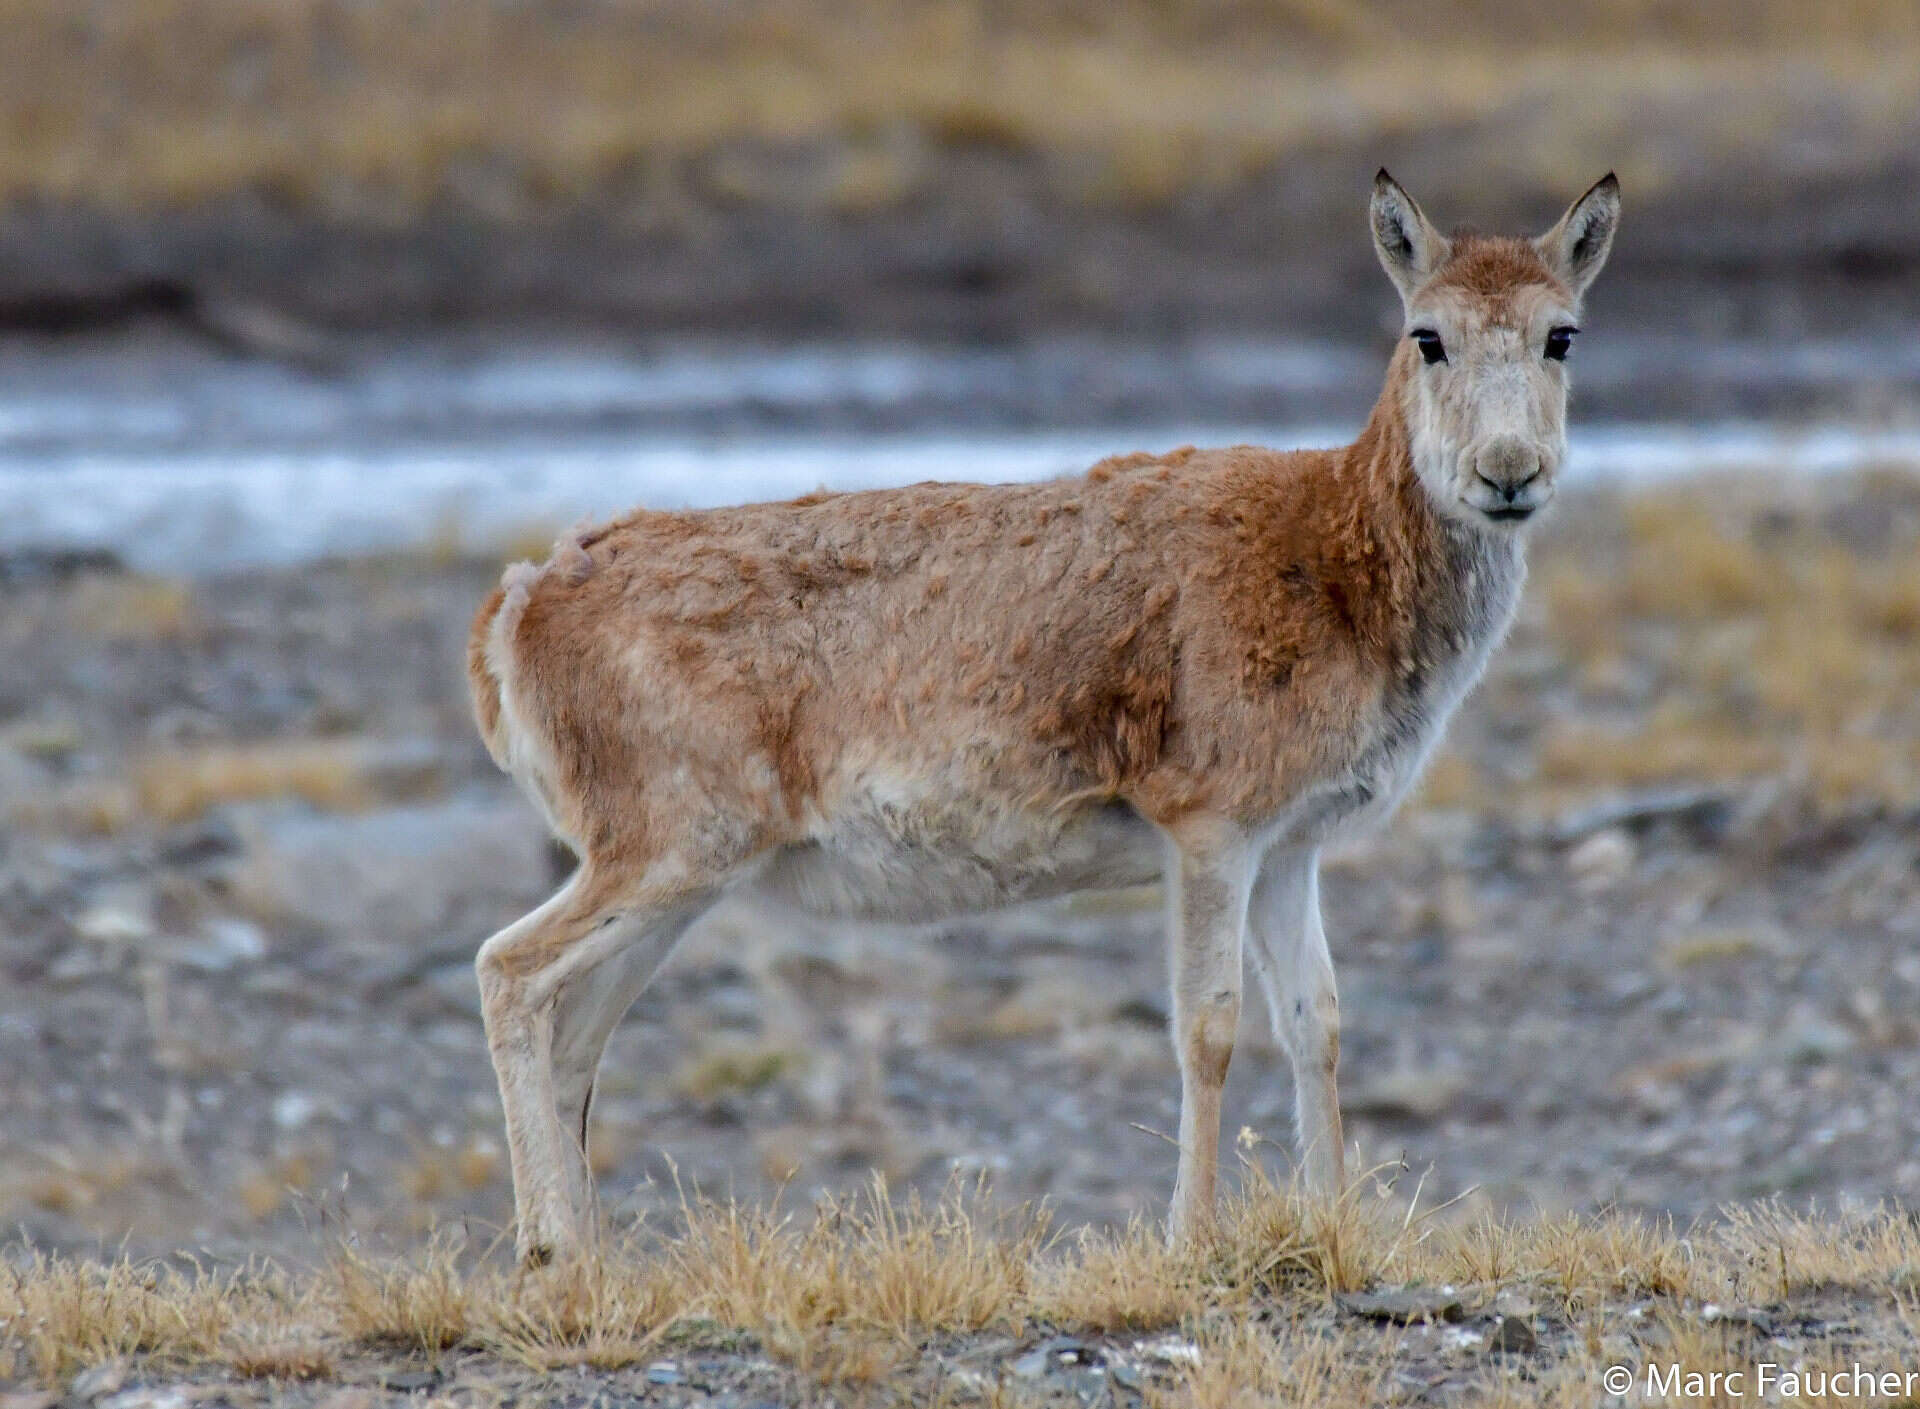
(1289, 948)
(1212, 877)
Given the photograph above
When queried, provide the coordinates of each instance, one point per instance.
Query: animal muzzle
(1510, 477)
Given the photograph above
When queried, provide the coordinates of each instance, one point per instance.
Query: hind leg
(1289, 949)
(589, 1007)
(526, 972)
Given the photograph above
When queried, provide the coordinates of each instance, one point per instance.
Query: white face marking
(1487, 414)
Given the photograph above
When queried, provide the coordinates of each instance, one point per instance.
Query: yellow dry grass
(730, 1064)
(435, 1171)
(379, 110)
(347, 774)
(1760, 632)
(128, 607)
(850, 1294)
(1791, 652)
(265, 1189)
(178, 785)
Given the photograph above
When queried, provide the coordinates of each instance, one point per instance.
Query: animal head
(1490, 322)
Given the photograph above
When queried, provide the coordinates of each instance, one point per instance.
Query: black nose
(1509, 490)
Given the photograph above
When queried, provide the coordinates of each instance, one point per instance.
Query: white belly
(911, 861)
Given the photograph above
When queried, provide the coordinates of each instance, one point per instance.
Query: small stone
(1089, 1386)
(226, 942)
(77, 966)
(1747, 1316)
(1168, 1350)
(1054, 1353)
(1511, 1301)
(1408, 1094)
(1602, 860)
(1513, 1335)
(91, 1384)
(198, 843)
(293, 1109)
(1811, 1038)
(409, 1381)
(1723, 943)
(1032, 1365)
(49, 740)
(22, 780)
(148, 1397)
(1405, 1306)
(1125, 1375)
(664, 1372)
(1146, 1009)
(114, 922)
(1708, 812)
(1459, 1339)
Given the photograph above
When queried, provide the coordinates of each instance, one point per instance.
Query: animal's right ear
(1410, 249)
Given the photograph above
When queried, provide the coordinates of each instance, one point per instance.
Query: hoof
(537, 1255)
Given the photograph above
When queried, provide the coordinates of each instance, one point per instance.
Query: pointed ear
(1577, 247)
(1409, 247)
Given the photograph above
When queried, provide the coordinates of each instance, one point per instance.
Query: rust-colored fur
(1495, 266)
(1170, 631)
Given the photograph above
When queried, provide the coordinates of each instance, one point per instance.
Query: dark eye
(1560, 343)
(1431, 347)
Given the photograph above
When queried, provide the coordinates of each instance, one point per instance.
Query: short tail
(489, 653)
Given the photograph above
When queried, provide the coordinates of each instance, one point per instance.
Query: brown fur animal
(910, 703)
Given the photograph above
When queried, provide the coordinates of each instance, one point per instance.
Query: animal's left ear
(1577, 247)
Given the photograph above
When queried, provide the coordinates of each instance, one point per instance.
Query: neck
(1418, 577)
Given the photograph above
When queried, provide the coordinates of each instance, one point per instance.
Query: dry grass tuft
(424, 1303)
(606, 1313)
(76, 1183)
(1129, 1280)
(1779, 1254)
(850, 1294)
(1585, 1261)
(129, 607)
(733, 1065)
(59, 1315)
(861, 1263)
(1721, 631)
(435, 1172)
(180, 784)
(1245, 1365)
(332, 774)
(254, 1357)
(263, 1191)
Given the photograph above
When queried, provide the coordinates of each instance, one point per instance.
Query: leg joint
(1206, 1038)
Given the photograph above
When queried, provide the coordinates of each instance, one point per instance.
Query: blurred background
(313, 311)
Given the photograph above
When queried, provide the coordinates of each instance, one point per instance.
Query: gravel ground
(1444, 1348)
(251, 845)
